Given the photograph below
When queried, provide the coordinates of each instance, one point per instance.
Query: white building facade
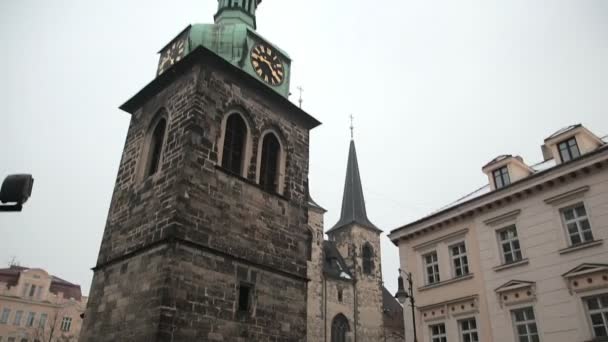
(522, 259)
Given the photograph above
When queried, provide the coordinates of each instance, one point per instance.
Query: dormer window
(501, 177)
(568, 150)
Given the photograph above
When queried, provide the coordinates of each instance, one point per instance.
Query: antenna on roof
(301, 100)
(352, 127)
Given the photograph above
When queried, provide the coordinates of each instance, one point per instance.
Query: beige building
(520, 259)
(38, 307)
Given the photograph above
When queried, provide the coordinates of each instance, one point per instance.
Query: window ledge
(446, 282)
(581, 246)
(250, 182)
(511, 264)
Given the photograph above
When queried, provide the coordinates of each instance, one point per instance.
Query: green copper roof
(232, 37)
(237, 11)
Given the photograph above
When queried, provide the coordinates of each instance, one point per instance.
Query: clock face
(267, 64)
(172, 54)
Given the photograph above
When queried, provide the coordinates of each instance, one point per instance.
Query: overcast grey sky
(437, 88)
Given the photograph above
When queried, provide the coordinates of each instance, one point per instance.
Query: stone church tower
(347, 300)
(207, 234)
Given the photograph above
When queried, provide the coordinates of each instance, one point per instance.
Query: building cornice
(535, 183)
(40, 303)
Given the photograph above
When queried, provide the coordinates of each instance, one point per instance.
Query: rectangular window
(597, 308)
(66, 324)
(438, 333)
(525, 325)
(468, 330)
(577, 224)
(501, 177)
(568, 150)
(509, 244)
(459, 259)
(32, 290)
(18, 315)
(431, 265)
(30, 319)
(245, 293)
(5, 313)
(11, 339)
(42, 322)
(26, 288)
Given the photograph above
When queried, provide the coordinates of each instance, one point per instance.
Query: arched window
(339, 328)
(234, 144)
(269, 168)
(308, 245)
(156, 147)
(368, 259)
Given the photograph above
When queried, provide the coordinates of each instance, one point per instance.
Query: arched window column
(271, 162)
(234, 144)
(154, 145)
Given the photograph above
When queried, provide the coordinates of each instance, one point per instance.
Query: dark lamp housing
(16, 189)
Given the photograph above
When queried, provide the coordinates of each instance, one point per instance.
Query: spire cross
(301, 100)
(352, 127)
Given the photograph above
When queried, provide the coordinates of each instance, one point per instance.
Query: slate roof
(393, 311)
(539, 167)
(353, 203)
(334, 265)
(563, 130)
(11, 277)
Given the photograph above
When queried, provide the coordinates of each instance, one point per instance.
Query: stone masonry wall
(315, 304)
(211, 226)
(369, 315)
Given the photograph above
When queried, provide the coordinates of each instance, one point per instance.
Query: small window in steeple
(501, 177)
(368, 259)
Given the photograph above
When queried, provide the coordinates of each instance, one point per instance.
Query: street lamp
(402, 295)
(16, 189)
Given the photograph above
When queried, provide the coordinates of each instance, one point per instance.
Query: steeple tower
(358, 241)
(237, 11)
(353, 203)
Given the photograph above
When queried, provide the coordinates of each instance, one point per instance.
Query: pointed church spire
(353, 203)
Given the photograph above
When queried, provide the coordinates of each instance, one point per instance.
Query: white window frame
(442, 336)
(462, 257)
(42, 321)
(577, 220)
(66, 324)
(527, 323)
(29, 321)
(501, 173)
(470, 332)
(569, 149)
(17, 319)
(5, 316)
(435, 266)
(602, 310)
(510, 241)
